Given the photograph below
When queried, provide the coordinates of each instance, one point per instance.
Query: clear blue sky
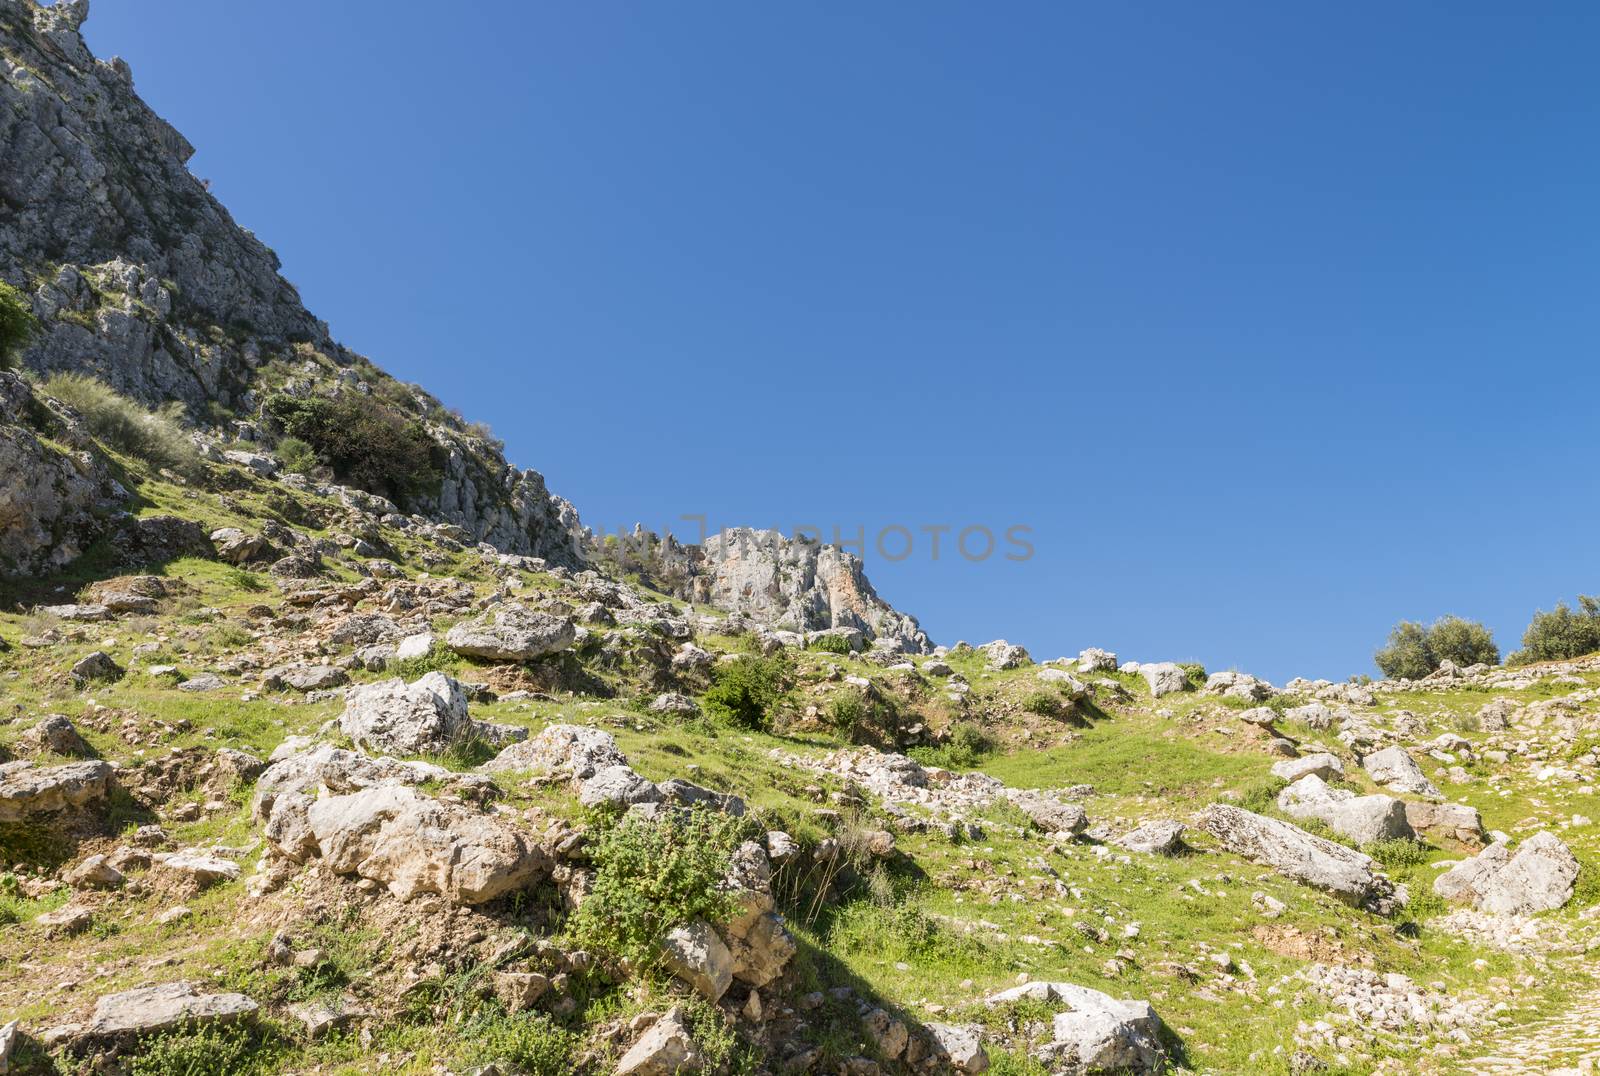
(1275, 323)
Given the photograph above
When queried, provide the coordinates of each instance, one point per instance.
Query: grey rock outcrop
(25, 790)
(788, 584)
(1538, 877)
(1291, 851)
(1097, 1032)
(1363, 819)
(147, 1009)
(1164, 678)
(52, 503)
(407, 841)
(511, 634)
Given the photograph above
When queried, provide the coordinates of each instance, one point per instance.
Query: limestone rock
(511, 634)
(97, 666)
(1290, 850)
(1539, 876)
(25, 790)
(960, 1046)
(571, 751)
(166, 1005)
(1164, 678)
(1363, 819)
(1162, 838)
(1395, 769)
(391, 716)
(409, 842)
(665, 1049)
(1320, 764)
(696, 954)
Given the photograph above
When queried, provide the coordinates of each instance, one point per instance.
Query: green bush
(365, 443)
(1044, 703)
(1398, 852)
(1414, 651)
(528, 1041)
(964, 746)
(652, 875)
(1194, 672)
(1562, 632)
(16, 325)
(744, 690)
(226, 1050)
(832, 644)
(296, 456)
(860, 719)
(157, 437)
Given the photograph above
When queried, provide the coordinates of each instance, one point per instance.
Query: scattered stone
(666, 1049)
(1363, 819)
(696, 954)
(1321, 765)
(56, 734)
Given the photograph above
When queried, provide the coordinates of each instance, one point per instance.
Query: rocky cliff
(140, 277)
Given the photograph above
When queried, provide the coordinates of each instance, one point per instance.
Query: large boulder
(409, 842)
(960, 1046)
(26, 790)
(397, 718)
(1164, 678)
(1291, 851)
(1538, 877)
(1158, 837)
(511, 634)
(1395, 769)
(149, 1009)
(1363, 819)
(1321, 763)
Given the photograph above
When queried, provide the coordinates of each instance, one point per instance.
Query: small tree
(17, 325)
(1465, 642)
(1562, 632)
(1414, 651)
(1408, 655)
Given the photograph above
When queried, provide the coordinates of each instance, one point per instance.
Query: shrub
(860, 719)
(1414, 651)
(528, 1041)
(1044, 703)
(1398, 852)
(157, 437)
(16, 325)
(745, 689)
(205, 1051)
(296, 456)
(964, 747)
(655, 874)
(367, 444)
(1194, 672)
(832, 644)
(1562, 632)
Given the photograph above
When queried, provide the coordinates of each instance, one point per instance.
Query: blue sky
(1274, 324)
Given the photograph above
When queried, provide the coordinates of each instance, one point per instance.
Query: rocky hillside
(306, 769)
